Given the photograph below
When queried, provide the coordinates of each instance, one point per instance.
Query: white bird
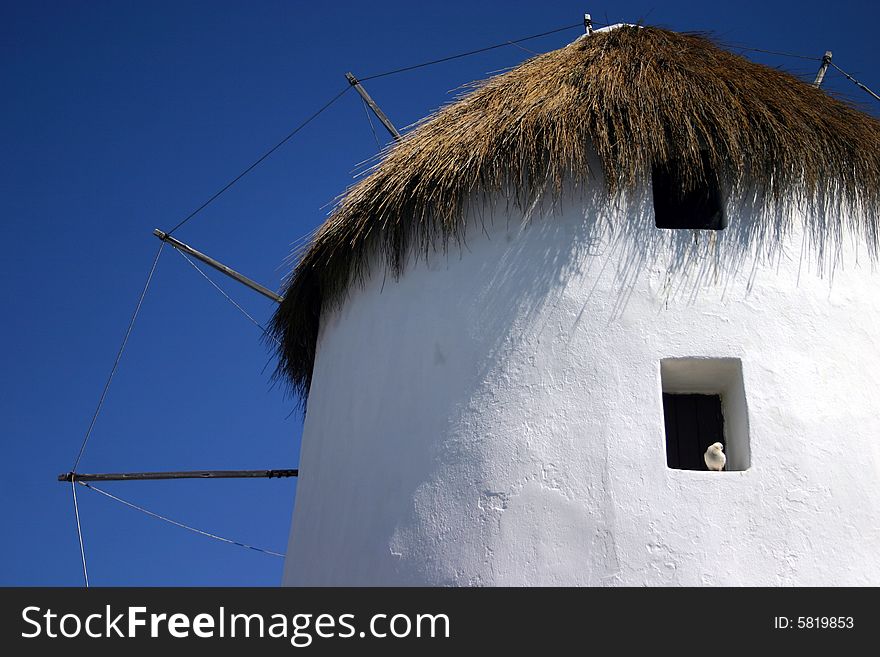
(714, 457)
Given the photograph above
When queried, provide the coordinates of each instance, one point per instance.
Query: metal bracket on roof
(588, 24)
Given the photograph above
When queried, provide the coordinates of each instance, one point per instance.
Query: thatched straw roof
(634, 97)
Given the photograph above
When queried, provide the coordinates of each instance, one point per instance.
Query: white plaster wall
(495, 416)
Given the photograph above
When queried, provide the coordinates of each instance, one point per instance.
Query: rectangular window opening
(700, 207)
(703, 403)
(693, 422)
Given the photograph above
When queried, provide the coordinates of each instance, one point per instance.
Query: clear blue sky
(121, 117)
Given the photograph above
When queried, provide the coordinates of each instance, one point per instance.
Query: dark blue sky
(121, 117)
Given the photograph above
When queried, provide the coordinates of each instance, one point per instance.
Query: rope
(472, 52)
(118, 358)
(178, 524)
(516, 45)
(770, 52)
(260, 159)
(228, 298)
(82, 549)
(372, 127)
(854, 81)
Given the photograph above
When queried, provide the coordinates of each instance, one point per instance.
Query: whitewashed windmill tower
(519, 334)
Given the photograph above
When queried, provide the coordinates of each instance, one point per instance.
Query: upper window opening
(699, 207)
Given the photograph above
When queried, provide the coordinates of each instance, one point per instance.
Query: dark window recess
(693, 422)
(700, 207)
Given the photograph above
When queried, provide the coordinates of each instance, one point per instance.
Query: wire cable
(178, 524)
(770, 52)
(260, 159)
(228, 298)
(854, 81)
(472, 52)
(118, 358)
(370, 121)
(82, 549)
(516, 45)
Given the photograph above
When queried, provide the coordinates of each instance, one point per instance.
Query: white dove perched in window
(714, 457)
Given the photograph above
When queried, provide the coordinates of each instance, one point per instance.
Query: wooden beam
(190, 474)
(219, 266)
(353, 81)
